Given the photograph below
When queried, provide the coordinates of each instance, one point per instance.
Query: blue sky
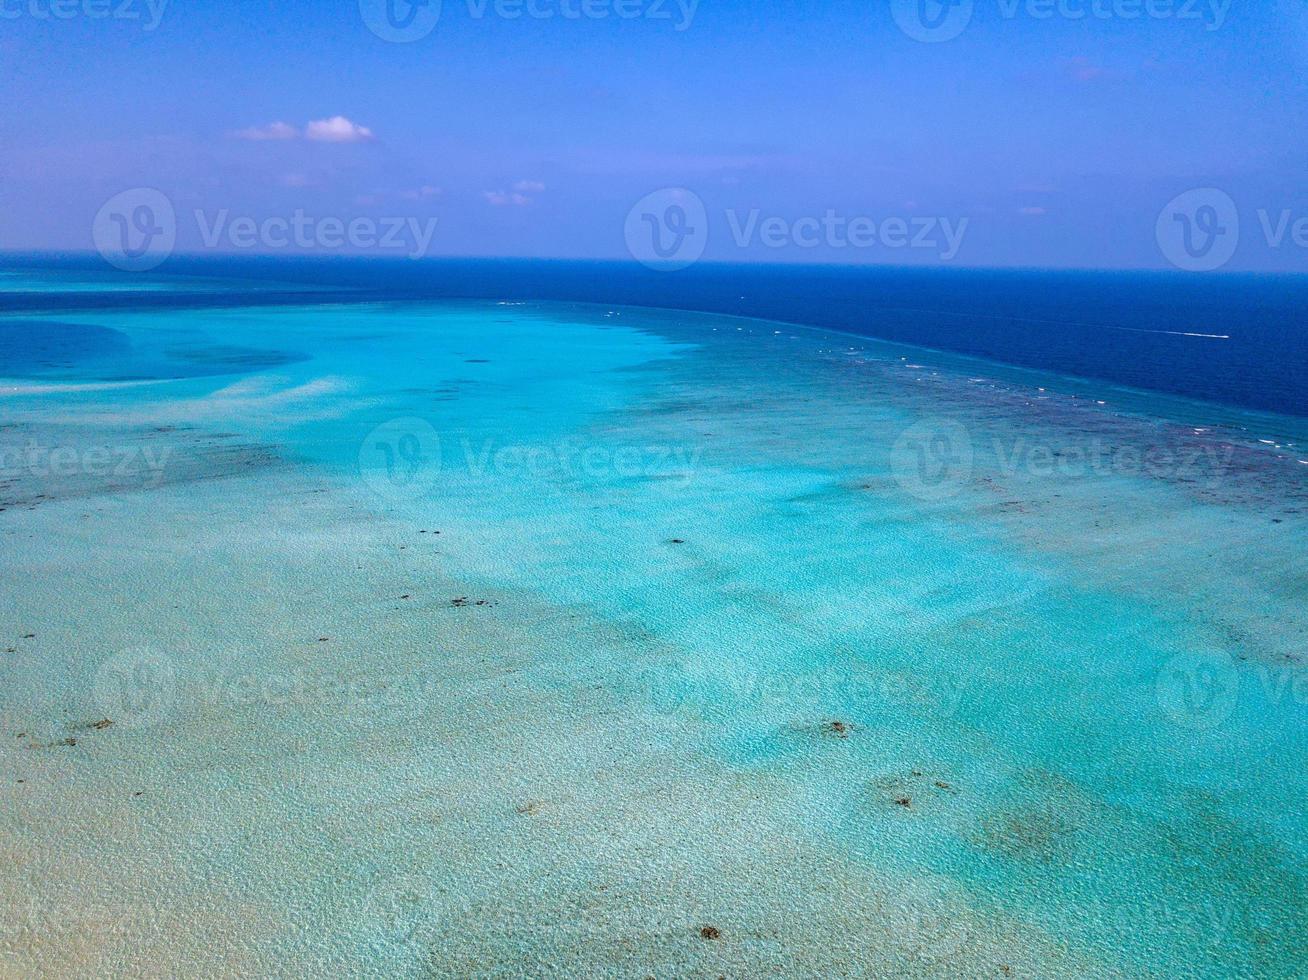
(1051, 139)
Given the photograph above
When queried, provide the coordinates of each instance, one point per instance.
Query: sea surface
(510, 619)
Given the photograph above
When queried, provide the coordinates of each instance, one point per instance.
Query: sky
(1053, 133)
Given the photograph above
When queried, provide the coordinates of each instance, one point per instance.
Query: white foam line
(57, 389)
(1176, 333)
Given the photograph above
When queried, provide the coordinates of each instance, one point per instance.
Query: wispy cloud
(1082, 69)
(273, 131)
(337, 129)
(503, 199)
(424, 193)
(518, 197)
(415, 195)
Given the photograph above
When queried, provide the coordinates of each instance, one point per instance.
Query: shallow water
(489, 639)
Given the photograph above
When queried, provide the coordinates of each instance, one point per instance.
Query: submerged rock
(62, 743)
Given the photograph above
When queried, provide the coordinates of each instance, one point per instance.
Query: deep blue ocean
(1234, 339)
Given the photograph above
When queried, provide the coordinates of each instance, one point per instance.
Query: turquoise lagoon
(483, 639)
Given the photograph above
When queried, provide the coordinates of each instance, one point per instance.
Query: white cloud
(518, 197)
(337, 129)
(273, 131)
